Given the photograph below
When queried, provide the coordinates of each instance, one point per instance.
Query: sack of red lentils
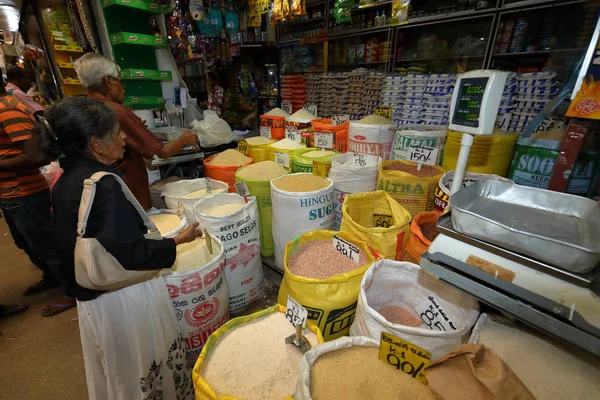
(378, 220)
(247, 358)
(404, 300)
(422, 232)
(410, 186)
(322, 272)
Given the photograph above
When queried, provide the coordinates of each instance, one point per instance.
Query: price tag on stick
(242, 189)
(346, 249)
(295, 313)
(311, 108)
(287, 106)
(324, 140)
(208, 185)
(360, 159)
(385, 112)
(243, 147)
(404, 356)
(265, 131)
(282, 158)
(420, 153)
(292, 133)
(339, 119)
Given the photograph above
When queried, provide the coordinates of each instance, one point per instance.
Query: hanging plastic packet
(341, 11)
(277, 8)
(399, 12)
(287, 10)
(254, 13)
(264, 6)
(298, 7)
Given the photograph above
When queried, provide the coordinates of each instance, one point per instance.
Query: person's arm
(20, 130)
(188, 138)
(114, 223)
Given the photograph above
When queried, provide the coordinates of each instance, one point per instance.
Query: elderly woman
(132, 347)
(101, 78)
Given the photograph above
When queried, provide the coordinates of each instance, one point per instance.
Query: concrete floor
(40, 358)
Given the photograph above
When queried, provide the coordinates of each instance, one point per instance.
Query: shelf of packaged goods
(411, 60)
(144, 102)
(70, 81)
(358, 32)
(358, 63)
(516, 6)
(65, 65)
(151, 6)
(541, 53)
(138, 39)
(303, 41)
(146, 74)
(68, 48)
(294, 22)
(449, 16)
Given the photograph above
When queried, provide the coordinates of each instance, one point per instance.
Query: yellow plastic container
(490, 154)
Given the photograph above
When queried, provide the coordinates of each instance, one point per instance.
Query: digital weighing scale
(561, 303)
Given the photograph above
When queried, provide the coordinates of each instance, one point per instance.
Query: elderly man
(101, 78)
(19, 82)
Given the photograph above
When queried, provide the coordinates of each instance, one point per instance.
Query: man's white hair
(91, 69)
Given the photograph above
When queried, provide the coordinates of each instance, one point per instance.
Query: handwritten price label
(265, 131)
(292, 133)
(420, 153)
(320, 169)
(287, 106)
(311, 108)
(360, 160)
(243, 147)
(324, 140)
(295, 313)
(346, 249)
(404, 356)
(385, 112)
(383, 220)
(282, 158)
(434, 316)
(339, 119)
(208, 185)
(242, 189)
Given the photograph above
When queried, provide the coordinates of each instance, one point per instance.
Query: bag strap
(87, 199)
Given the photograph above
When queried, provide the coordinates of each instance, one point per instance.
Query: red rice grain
(399, 315)
(320, 260)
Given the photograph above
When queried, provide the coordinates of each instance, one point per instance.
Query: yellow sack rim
(240, 179)
(200, 384)
(298, 156)
(400, 174)
(369, 196)
(322, 234)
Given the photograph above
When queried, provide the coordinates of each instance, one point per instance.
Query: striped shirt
(16, 125)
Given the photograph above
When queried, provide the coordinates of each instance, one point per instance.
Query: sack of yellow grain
(255, 148)
(410, 186)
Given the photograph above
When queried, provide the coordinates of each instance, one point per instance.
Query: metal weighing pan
(557, 228)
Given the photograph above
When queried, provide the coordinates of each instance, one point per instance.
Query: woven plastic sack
(377, 219)
(418, 135)
(490, 154)
(295, 213)
(389, 283)
(305, 164)
(262, 191)
(340, 133)
(414, 193)
(200, 298)
(370, 139)
(156, 188)
(173, 192)
(274, 127)
(417, 243)
(223, 173)
(350, 176)
(240, 235)
(202, 389)
(331, 302)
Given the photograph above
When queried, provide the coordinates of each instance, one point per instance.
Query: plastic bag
(331, 301)
(377, 219)
(387, 283)
(202, 388)
(212, 131)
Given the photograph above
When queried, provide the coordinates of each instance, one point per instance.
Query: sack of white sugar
(301, 203)
(248, 358)
(402, 299)
(189, 191)
(198, 292)
(235, 222)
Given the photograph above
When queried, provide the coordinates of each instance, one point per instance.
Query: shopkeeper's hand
(188, 235)
(189, 138)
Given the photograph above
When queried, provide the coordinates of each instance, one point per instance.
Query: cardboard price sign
(434, 316)
(422, 154)
(242, 188)
(339, 119)
(287, 106)
(324, 140)
(360, 159)
(292, 133)
(385, 112)
(383, 220)
(265, 131)
(295, 313)
(243, 147)
(208, 185)
(282, 158)
(404, 356)
(320, 169)
(311, 108)
(346, 248)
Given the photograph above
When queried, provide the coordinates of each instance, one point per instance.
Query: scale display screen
(468, 103)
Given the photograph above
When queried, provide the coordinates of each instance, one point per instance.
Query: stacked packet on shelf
(437, 99)
(507, 104)
(339, 93)
(325, 91)
(313, 91)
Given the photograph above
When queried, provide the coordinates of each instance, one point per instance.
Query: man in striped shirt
(25, 198)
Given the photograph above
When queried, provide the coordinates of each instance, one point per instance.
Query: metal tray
(556, 228)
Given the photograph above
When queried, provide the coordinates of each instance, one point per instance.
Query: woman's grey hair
(91, 69)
